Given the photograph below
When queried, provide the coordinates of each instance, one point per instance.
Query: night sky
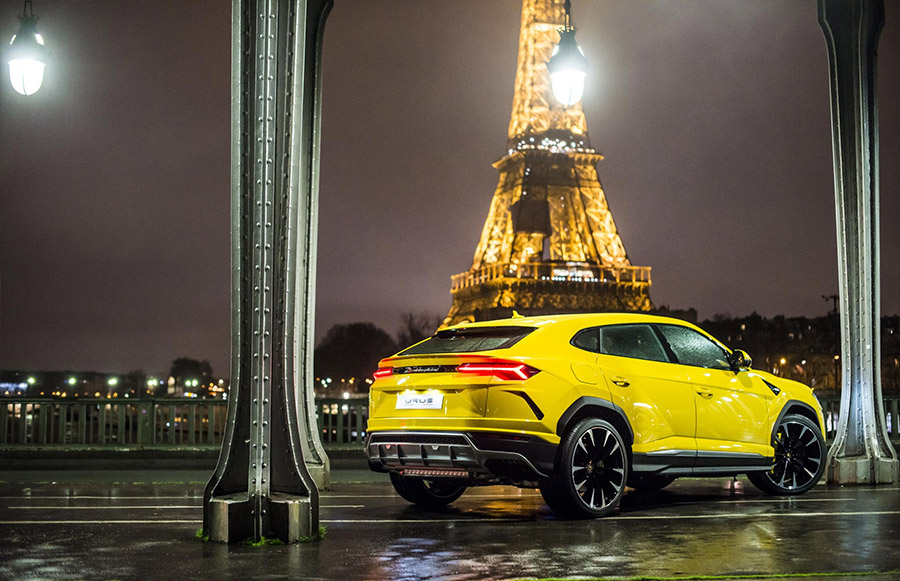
(114, 179)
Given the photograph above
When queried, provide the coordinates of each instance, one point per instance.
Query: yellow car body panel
(657, 398)
(671, 408)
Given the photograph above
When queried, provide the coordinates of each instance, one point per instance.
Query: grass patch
(263, 541)
(202, 536)
(888, 574)
(316, 537)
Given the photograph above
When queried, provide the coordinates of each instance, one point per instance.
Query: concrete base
(862, 470)
(321, 473)
(290, 518)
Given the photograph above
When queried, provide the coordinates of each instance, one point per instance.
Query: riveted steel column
(861, 452)
(262, 486)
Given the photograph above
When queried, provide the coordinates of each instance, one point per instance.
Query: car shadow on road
(529, 505)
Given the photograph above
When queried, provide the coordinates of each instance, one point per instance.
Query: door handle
(704, 393)
(621, 381)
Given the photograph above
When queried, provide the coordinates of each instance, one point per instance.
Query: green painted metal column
(265, 483)
(861, 452)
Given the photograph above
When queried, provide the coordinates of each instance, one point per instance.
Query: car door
(732, 407)
(656, 395)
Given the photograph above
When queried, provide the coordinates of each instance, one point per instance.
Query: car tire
(551, 496)
(799, 458)
(590, 476)
(651, 484)
(427, 493)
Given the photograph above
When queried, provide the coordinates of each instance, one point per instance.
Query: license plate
(420, 401)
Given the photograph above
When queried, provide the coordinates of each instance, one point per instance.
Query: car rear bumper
(460, 454)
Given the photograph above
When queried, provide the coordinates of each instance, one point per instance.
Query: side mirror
(740, 360)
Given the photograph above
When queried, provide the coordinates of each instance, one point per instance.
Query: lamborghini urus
(583, 406)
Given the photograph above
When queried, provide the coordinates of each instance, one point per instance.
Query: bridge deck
(142, 524)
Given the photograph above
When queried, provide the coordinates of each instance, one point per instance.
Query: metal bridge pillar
(862, 452)
(265, 483)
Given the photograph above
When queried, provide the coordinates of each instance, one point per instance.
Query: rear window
(635, 341)
(468, 340)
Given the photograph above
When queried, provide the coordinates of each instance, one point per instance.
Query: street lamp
(27, 55)
(568, 65)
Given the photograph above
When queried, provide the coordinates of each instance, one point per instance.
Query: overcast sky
(114, 179)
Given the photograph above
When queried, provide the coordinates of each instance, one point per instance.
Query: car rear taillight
(503, 370)
(383, 372)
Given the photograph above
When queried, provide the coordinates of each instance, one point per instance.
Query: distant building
(804, 349)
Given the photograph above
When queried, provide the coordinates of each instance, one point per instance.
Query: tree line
(353, 350)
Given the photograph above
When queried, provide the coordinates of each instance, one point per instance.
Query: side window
(635, 341)
(588, 339)
(692, 348)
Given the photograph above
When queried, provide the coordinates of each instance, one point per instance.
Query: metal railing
(342, 421)
(831, 407)
(556, 271)
(150, 423)
(198, 422)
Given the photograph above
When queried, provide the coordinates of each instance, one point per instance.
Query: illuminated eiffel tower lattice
(549, 243)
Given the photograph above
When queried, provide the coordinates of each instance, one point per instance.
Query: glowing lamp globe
(26, 55)
(568, 68)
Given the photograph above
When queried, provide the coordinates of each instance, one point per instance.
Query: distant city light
(112, 381)
(346, 395)
(31, 381)
(71, 381)
(13, 386)
(783, 360)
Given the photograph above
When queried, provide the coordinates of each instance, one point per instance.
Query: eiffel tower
(549, 243)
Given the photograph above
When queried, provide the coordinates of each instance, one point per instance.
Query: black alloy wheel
(591, 472)
(799, 458)
(429, 493)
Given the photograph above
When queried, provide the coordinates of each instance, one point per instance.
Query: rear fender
(595, 407)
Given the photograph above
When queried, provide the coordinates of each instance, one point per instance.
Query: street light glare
(568, 86)
(26, 55)
(26, 75)
(568, 65)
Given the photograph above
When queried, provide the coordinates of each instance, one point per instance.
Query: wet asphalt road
(142, 524)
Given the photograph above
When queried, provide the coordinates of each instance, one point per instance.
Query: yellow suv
(582, 406)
